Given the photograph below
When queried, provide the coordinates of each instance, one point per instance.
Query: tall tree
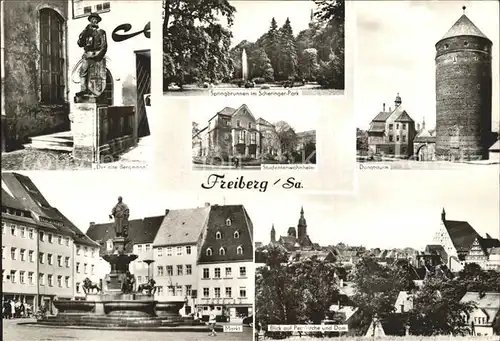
(271, 44)
(195, 43)
(287, 137)
(261, 65)
(288, 51)
(308, 64)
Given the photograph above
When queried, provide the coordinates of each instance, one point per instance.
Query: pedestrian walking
(212, 320)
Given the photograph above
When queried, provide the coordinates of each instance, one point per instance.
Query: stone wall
(25, 116)
(463, 97)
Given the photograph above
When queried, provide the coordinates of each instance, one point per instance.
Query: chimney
(207, 204)
(92, 223)
(383, 107)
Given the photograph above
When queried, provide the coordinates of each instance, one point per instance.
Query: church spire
(443, 215)
(273, 234)
(312, 15)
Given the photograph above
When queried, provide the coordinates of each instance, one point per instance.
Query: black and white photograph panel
(291, 46)
(76, 84)
(134, 262)
(427, 83)
(370, 269)
(231, 134)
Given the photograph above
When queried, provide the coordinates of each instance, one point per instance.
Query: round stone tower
(463, 92)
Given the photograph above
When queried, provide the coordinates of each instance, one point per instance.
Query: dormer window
(236, 234)
(228, 222)
(209, 252)
(239, 250)
(222, 251)
(446, 46)
(218, 235)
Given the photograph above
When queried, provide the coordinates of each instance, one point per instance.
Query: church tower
(463, 92)
(273, 235)
(302, 225)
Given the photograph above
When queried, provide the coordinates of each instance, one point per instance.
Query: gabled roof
(243, 109)
(140, 231)
(11, 202)
(262, 121)
(78, 236)
(495, 147)
(437, 250)
(182, 226)
(489, 303)
(227, 111)
(404, 117)
(382, 116)
(463, 27)
(376, 127)
(240, 221)
(461, 233)
(488, 243)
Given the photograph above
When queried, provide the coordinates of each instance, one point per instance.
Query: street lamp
(149, 262)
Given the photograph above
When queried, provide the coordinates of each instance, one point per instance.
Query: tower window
(209, 252)
(228, 222)
(466, 43)
(446, 46)
(236, 234)
(239, 250)
(218, 235)
(222, 251)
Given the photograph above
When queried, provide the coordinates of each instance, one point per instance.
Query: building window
(22, 253)
(41, 279)
(85, 251)
(229, 292)
(41, 236)
(77, 287)
(3, 227)
(160, 252)
(238, 123)
(189, 269)
(78, 250)
(49, 280)
(206, 273)
(179, 250)
(236, 234)
(59, 261)
(169, 251)
(139, 248)
(228, 222)
(209, 252)
(188, 250)
(160, 291)
(206, 292)
(222, 251)
(217, 273)
(51, 56)
(66, 261)
(13, 276)
(170, 270)
(391, 126)
(92, 269)
(31, 255)
(218, 235)
(188, 290)
(23, 231)
(50, 238)
(67, 241)
(178, 290)
(228, 272)
(30, 278)
(22, 278)
(78, 267)
(66, 281)
(3, 252)
(404, 138)
(239, 250)
(404, 126)
(243, 292)
(85, 268)
(30, 233)
(243, 271)
(59, 240)
(49, 259)
(59, 281)
(391, 139)
(147, 247)
(160, 270)
(217, 292)
(179, 270)
(397, 138)
(13, 230)
(93, 253)
(13, 252)
(41, 257)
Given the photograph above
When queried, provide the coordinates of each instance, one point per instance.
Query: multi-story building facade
(40, 261)
(86, 256)
(483, 252)
(176, 250)
(225, 261)
(392, 132)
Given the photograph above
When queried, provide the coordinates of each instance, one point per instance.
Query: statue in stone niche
(120, 213)
(93, 64)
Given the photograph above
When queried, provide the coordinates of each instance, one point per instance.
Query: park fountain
(118, 305)
(244, 65)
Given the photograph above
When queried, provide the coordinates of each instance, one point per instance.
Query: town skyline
(387, 67)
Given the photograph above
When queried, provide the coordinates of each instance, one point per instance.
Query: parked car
(248, 321)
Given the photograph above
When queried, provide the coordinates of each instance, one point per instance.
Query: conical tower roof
(464, 27)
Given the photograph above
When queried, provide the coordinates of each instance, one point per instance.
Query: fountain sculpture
(244, 65)
(117, 304)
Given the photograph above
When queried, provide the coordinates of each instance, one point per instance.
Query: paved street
(12, 331)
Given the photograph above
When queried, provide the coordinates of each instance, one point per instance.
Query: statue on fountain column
(128, 283)
(120, 213)
(93, 64)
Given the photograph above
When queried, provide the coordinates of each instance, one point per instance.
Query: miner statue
(120, 213)
(93, 64)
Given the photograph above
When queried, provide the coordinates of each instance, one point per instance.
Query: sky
(301, 115)
(395, 53)
(253, 18)
(399, 209)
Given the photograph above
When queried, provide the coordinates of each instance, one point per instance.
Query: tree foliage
(287, 138)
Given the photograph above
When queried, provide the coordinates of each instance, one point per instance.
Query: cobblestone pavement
(12, 331)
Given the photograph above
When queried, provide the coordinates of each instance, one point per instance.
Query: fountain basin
(74, 306)
(130, 308)
(169, 309)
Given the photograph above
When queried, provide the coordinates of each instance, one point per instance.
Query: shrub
(259, 80)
